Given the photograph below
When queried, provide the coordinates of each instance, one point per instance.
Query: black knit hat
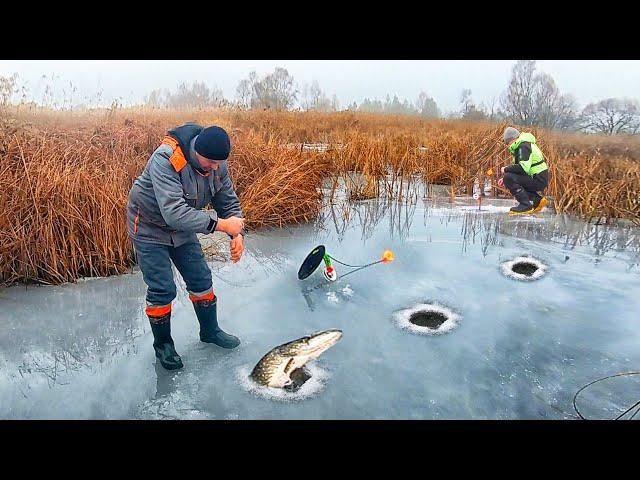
(213, 143)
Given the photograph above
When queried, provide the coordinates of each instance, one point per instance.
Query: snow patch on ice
(310, 388)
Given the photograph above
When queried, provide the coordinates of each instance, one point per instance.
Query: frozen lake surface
(516, 350)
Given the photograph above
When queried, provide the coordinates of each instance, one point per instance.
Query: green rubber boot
(210, 332)
(163, 343)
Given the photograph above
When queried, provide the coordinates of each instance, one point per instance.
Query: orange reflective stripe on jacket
(206, 296)
(158, 311)
(177, 159)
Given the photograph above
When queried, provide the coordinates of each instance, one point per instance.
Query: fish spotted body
(277, 366)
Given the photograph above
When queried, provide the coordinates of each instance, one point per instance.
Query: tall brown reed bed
(276, 185)
(63, 198)
(599, 188)
(64, 177)
(63, 194)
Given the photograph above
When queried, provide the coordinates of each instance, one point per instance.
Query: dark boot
(207, 313)
(538, 201)
(534, 198)
(524, 205)
(163, 343)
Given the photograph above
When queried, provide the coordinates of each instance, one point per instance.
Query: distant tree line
(424, 106)
(530, 99)
(533, 99)
(278, 91)
(187, 97)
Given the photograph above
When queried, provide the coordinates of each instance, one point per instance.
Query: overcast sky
(444, 80)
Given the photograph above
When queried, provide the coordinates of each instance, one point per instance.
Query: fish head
(312, 346)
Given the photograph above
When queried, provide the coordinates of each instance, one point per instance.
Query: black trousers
(532, 184)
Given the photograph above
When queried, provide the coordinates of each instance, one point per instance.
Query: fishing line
(353, 266)
(575, 406)
(319, 254)
(227, 281)
(357, 269)
(628, 410)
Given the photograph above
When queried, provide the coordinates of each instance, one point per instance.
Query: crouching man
(527, 175)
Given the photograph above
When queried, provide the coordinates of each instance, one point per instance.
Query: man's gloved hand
(501, 182)
(237, 248)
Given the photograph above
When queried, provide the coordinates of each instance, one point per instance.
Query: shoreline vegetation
(65, 176)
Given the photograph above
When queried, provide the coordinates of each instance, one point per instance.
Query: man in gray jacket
(187, 172)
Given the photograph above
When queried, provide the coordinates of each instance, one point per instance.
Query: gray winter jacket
(165, 205)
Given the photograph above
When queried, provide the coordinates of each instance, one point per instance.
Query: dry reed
(64, 177)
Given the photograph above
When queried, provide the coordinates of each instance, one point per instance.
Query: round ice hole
(427, 319)
(524, 268)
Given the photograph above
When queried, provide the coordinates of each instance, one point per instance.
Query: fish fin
(289, 366)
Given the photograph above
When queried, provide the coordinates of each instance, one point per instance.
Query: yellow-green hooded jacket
(527, 157)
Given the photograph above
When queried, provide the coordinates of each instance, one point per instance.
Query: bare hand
(237, 248)
(232, 225)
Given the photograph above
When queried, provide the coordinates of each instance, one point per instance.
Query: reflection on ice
(347, 290)
(366, 216)
(84, 350)
(486, 209)
(174, 399)
(332, 297)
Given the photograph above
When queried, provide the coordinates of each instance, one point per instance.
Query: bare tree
(426, 106)
(310, 95)
(189, 96)
(7, 89)
(335, 103)
(552, 109)
(281, 84)
(216, 97)
(469, 110)
(275, 91)
(534, 99)
(155, 99)
(243, 93)
(194, 96)
(465, 100)
(517, 101)
(567, 112)
(612, 116)
(492, 109)
(315, 99)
